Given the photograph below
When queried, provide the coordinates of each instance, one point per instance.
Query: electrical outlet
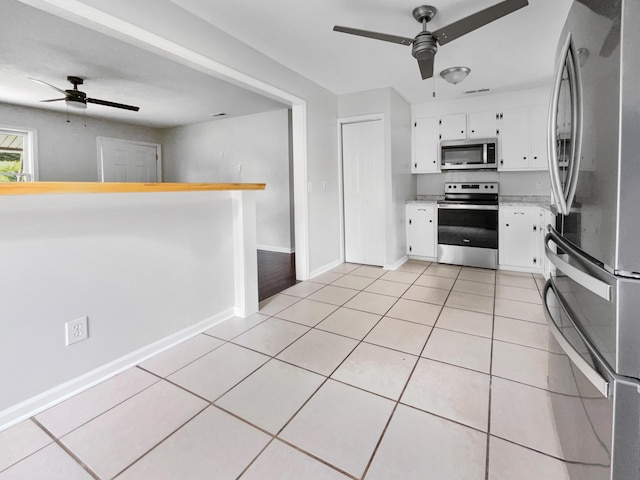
(76, 330)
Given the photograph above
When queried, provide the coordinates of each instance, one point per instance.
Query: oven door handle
(462, 206)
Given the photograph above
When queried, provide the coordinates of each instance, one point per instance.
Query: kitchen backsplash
(511, 183)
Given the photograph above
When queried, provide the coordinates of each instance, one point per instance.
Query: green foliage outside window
(10, 163)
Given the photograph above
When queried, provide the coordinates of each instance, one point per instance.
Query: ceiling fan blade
(375, 35)
(426, 67)
(53, 100)
(477, 20)
(612, 41)
(48, 85)
(112, 104)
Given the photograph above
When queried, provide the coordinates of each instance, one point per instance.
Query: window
(17, 159)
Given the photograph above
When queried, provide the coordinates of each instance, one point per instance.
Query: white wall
(175, 24)
(403, 183)
(400, 185)
(259, 144)
(141, 266)
(67, 150)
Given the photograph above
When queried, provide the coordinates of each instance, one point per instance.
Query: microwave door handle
(600, 288)
(576, 125)
(594, 377)
(552, 136)
(484, 153)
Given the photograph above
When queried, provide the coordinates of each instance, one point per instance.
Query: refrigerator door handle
(576, 124)
(589, 282)
(597, 380)
(552, 134)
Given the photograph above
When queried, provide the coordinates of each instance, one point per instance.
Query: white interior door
(128, 161)
(363, 185)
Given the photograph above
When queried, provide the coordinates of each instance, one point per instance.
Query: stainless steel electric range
(468, 225)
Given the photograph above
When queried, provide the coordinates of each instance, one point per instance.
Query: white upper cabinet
(483, 124)
(522, 139)
(514, 139)
(425, 145)
(519, 122)
(538, 117)
(453, 127)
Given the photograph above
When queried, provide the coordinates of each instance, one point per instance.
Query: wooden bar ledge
(49, 188)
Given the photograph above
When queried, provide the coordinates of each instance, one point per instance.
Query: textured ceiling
(50, 48)
(512, 53)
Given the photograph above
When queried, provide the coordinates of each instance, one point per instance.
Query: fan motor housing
(424, 46)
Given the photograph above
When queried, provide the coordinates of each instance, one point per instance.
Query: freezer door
(604, 306)
(597, 413)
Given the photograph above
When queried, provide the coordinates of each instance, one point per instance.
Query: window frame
(29, 150)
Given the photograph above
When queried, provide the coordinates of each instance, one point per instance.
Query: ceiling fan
(78, 99)
(425, 44)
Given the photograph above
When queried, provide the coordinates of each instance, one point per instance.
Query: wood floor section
(276, 272)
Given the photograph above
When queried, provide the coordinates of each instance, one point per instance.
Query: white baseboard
(55, 395)
(397, 264)
(270, 248)
(511, 268)
(324, 269)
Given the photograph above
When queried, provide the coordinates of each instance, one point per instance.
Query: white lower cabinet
(520, 239)
(421, 221)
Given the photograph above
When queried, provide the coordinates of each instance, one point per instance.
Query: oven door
(468, 225)
(468, 235)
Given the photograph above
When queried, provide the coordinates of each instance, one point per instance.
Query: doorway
(128, 161)
(363, 190)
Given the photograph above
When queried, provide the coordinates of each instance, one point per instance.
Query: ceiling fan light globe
(455, 75)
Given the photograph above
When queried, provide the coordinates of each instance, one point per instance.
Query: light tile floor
(430, 371)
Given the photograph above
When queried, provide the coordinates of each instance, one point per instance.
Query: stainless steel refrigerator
(592, 301)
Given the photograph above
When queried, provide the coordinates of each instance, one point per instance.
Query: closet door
(363, 184)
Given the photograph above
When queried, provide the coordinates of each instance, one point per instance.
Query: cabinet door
(514, 139)
(538, 143)
(421, 230)
(483, 124)
(519, 237)
(453, 127)
(425, 145)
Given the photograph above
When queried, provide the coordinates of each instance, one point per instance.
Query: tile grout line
(329, 378)
(493, 331)
(161, 441)
(397, 402)
(67, 450)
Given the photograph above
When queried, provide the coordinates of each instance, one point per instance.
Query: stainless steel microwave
(472, 154)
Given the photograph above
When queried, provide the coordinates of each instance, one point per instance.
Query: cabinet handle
(430, 221)
(535, 158)
(410, 248)
(524, 158)
(535, 260)
(501, 162)
(535, 228)
(434, 161)
(461, 131)
(415, 165)
(409, 221)
(473, 131)
(507, 224)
